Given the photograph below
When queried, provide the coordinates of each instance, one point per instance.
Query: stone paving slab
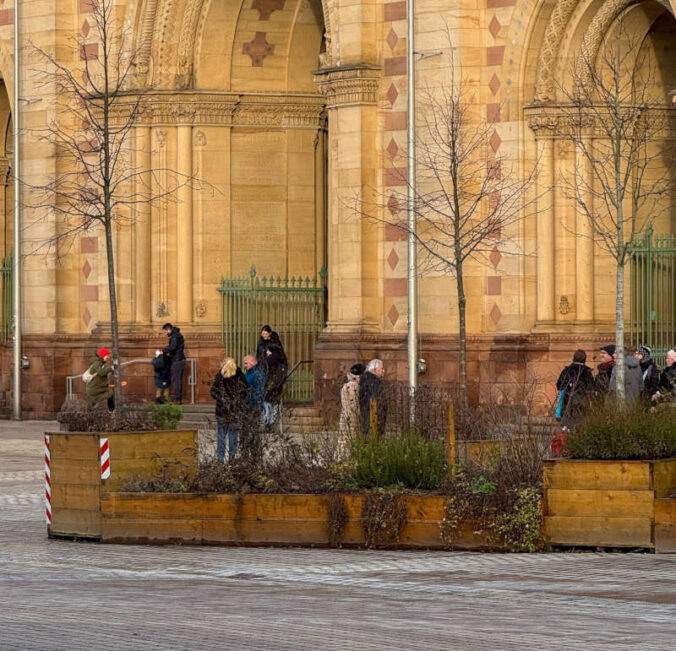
(71, 596)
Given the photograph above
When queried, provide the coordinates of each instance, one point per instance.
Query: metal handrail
(192, 377)
(295, 367)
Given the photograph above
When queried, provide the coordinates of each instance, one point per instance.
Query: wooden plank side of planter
(168, 531)
(146, 445)
(75, 522)
(599, 531)
(284, 507)
(74, 446)
(76, 496)
(153, 506)
(597, 475)
(665, 538)
(610, 503)
(664, 477)
(665, 511)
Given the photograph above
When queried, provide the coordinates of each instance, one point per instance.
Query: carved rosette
(348, 85)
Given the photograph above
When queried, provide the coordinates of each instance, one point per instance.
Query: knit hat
(103, 352)
(357, 369)
(645, 351)
(610, 349)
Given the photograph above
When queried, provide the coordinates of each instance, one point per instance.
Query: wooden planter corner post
(373, 418)
(451, 454)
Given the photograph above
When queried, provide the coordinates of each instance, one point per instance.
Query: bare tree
(466, 198)
(622, 133)
(96, 183)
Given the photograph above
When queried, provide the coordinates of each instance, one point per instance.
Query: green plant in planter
(612, 433)
(167, 415)
(383, 517)
(409, 461)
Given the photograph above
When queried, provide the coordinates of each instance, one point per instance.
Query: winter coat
(349, 405)
(633, 379)
(162, 370)
(651, 376)
(255, 379)
(277, 368)
(97, 388)
(668, 381)
(604, 372)
(371, 386)
(230, 396)
(577, 382)
(264, 344)
(175, 351)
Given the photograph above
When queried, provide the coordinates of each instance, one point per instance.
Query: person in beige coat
(349, 402)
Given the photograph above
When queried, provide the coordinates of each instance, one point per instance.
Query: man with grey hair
(370, 389)
(668, 378)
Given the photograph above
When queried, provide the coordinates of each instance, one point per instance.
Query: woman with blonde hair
(229, 390)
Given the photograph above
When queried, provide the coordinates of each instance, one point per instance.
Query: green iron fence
(653, 293)
(6, 299)
(294, 307)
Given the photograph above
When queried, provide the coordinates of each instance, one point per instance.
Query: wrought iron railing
(192, 377)
(653, 293)
(294, 307)
(6, 274)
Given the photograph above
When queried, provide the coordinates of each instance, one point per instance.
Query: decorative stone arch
(575, 32)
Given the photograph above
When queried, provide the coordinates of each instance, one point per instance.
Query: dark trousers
(177, 369)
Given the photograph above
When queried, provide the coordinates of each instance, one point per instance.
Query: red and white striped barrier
(105, 459)
(48, 482)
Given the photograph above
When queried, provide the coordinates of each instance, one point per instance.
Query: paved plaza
(67, 595)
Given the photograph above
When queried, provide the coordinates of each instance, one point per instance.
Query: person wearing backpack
(97, 388)
(577, 384)
(162, 370)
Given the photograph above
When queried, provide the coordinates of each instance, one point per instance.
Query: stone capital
(348, 85)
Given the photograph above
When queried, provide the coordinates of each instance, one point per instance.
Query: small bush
(613, 433)
(406, 461)
(167, 415)
(519, 527)
(78, 416)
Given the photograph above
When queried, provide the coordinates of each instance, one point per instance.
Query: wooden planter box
(76, 483)
(212, 519)
(86, 506)
(610, 503)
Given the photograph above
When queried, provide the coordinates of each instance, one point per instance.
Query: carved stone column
(584, 245)
(184, 226)
(545, 126)
(352, 246)
(142, 232)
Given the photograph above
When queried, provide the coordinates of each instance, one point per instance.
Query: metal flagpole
(412, 264)
(16, 259)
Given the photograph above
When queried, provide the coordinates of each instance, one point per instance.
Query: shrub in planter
(613, 433)
(407, 461)
(78, 416)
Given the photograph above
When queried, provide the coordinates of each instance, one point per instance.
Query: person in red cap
(98, 388)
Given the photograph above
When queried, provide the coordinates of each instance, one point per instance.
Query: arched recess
(570, 269)
(234, 100)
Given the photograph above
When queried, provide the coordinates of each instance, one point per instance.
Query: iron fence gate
(653, 293)
(293, 307)
(6, 298)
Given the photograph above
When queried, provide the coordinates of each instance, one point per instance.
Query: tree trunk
(462, 333)
(117, 390)
(619, 334)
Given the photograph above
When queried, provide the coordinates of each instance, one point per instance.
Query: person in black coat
(371, 388)
(268, 337)
(162, 371)
(577, 383)
(650, 371)
(229, 389)
(175, 353)
(668, 378)
(277, 369)
(605, 370)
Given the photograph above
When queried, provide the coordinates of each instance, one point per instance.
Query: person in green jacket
(98, 388)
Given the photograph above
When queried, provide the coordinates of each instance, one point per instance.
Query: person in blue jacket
(255, 378)
(162, 370)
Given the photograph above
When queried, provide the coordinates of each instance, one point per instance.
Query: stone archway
(569, 267)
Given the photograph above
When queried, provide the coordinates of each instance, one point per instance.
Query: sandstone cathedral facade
(288, 109)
